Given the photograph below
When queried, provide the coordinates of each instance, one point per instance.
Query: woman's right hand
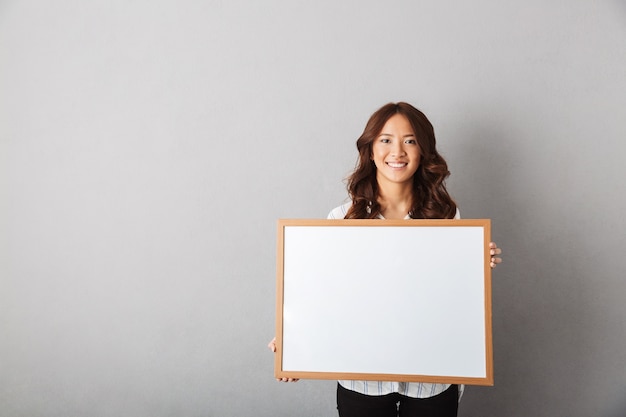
(272, 346)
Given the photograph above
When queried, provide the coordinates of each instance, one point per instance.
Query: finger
(287, 379)
(496, 251)
(272, 345)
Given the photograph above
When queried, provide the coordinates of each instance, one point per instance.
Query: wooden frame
(384, 300)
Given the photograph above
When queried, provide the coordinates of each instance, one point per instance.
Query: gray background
(148, 147)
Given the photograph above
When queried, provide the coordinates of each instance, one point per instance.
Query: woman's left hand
(494, 250)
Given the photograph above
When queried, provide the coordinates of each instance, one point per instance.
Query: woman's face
(396, 152)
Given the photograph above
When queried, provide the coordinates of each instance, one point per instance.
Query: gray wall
(148, 147)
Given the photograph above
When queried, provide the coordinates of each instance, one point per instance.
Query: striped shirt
(409, 389)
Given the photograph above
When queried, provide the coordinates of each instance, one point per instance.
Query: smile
(397, 164)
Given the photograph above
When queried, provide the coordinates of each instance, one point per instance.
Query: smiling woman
(399, 175)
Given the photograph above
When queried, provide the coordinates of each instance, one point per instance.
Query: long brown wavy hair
(430, 197)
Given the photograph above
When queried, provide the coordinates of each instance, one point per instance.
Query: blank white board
(395, 300)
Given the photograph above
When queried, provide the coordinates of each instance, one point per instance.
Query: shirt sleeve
(339, 213)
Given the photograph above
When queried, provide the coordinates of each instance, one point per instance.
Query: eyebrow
(411, 135)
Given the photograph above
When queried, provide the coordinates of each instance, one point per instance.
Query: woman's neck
(395, 201)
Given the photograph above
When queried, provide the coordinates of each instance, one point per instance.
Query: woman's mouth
(397, 164)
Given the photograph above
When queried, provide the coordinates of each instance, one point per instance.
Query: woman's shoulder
(339, 212)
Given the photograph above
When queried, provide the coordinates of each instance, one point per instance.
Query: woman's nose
(398, 150)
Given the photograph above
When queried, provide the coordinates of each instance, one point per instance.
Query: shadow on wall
(537, 292)
(618, 411)
(484, 186)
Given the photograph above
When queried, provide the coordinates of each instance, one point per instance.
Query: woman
(399, 175)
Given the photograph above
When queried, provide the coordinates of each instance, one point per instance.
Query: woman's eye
(410, 141)
(385, 140)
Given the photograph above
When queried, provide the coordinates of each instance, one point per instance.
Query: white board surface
(405, 299)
